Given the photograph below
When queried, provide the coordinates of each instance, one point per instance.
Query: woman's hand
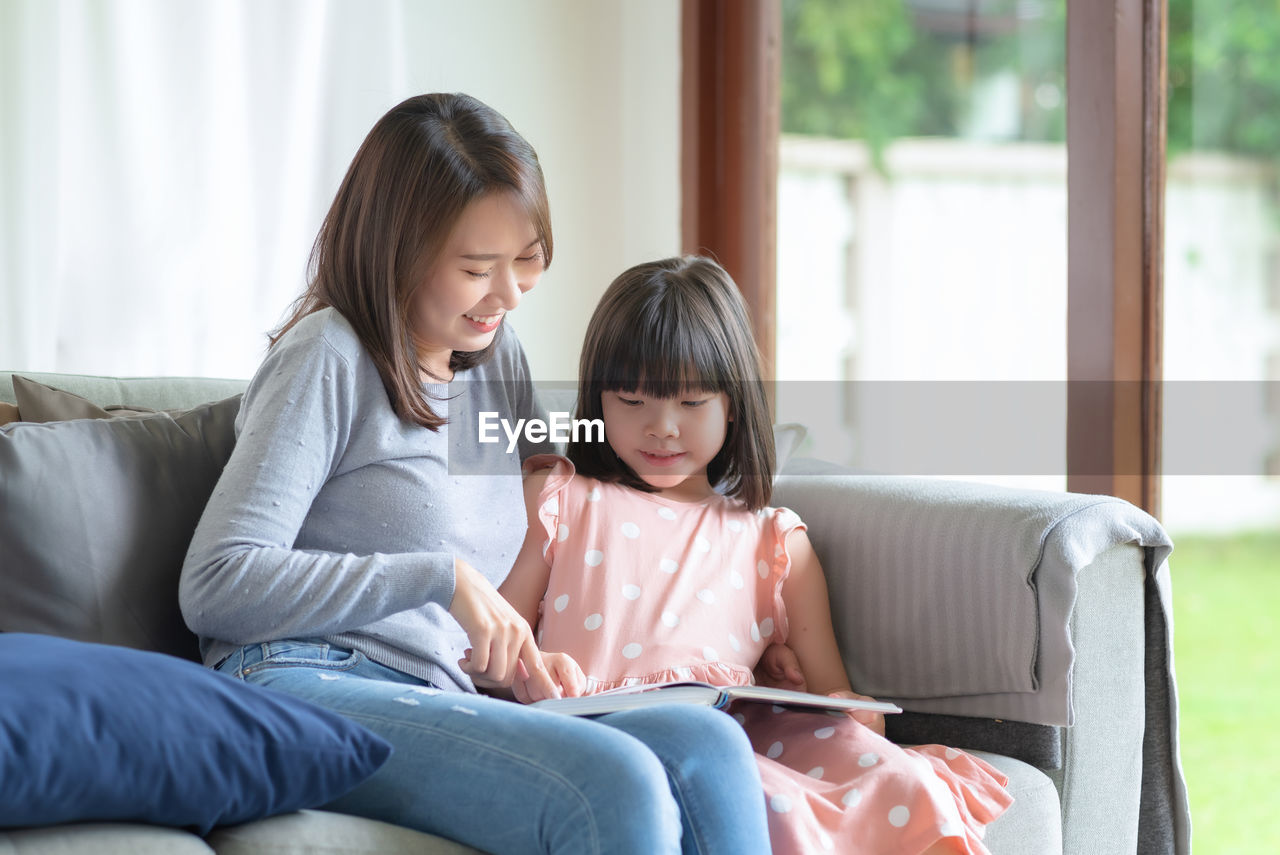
(779, 668)
(501, 640)
(565, 673)
(870, 718)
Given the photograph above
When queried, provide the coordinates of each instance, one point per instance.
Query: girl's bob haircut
(415, 173)
(672, 327)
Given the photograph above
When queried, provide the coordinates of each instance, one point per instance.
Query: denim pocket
(300, 653)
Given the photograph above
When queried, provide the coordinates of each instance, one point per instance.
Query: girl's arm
(810, 634)
(526, 584)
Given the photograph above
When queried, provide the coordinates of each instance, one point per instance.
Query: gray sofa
(1014, 623)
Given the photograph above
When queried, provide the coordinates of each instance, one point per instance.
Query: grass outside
(1226, 592)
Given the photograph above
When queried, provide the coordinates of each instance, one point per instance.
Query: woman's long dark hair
(670, 327)
(420, 166)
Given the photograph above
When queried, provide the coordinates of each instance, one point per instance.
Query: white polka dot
(552, 505)
(778, 709)
(707, 596)
(631, 530)
(734, 525)
(593, 622)
(780, 804)
(631, 592)
(666, 513)
(824, 732)
(766, 627)
(742, 719)
(593, 557)
(815, 772)
(562, 533)
(710, 654)
(735, 579)
(952, 753)
(734, 643)
(409, 702)
(671, 619)
(899, 816)
(778, 551)
(701, 544)
(561, 602)
(825, 840)
(852, 798)
(324, 676)
(762, 568)
(462, 709)
(755, 631)
(666, 565)
(775, 751)
(632, 650)
(951, 828)
(868, 759)
(594, 495)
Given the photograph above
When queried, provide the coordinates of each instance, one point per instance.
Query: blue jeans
(505, 778)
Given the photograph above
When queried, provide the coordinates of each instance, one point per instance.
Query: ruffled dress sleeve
(551, 497)
(774, 566)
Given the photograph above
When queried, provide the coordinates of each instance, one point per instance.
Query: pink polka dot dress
(644, 589)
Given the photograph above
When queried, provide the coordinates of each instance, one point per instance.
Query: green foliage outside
(878, 70)
(1226, 641)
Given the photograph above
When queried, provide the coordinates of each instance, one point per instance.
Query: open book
(694, 692)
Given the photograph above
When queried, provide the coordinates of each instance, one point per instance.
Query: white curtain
(165, 166)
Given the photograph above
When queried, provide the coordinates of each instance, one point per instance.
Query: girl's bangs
(664, 360)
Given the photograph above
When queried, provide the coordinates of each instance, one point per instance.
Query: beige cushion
(8, 413)
(41, 403)
(311, 831)
(101, 838)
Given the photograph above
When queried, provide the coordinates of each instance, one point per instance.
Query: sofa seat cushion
(310, 831)
(102, 838)
(1033, 823)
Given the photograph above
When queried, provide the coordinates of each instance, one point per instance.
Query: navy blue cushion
(98, 732)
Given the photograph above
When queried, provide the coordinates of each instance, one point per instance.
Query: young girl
(653, 556)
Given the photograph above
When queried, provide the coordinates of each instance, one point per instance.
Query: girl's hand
(565, 673)
(501, 640)
(870, 718)
(779, 668)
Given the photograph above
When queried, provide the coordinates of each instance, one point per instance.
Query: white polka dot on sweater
(766, 627)
(593, 622)
(762, 568)
(666, 565)
(707, 596)
(869, 759)
(815, 772)
(561, 602)
(631, 592)
(701, 544)
(755, 631)
(952, 754)
(899, 816)
(736, 580)
(552, 505)
(562, 533)
(671, 619)
(734, 643)
(710, 654)
(734, 525)
(666, 513)
(632, 650)
(594, 495)
(775, 751)
(630, 530)
(593, 557)
(780, 804)
(824, 732)
(852, 798)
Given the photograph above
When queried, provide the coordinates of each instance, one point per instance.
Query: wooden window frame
(1115, 190)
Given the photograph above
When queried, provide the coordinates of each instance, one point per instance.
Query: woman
(351, 550)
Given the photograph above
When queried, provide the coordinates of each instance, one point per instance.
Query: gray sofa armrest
(972, 600)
